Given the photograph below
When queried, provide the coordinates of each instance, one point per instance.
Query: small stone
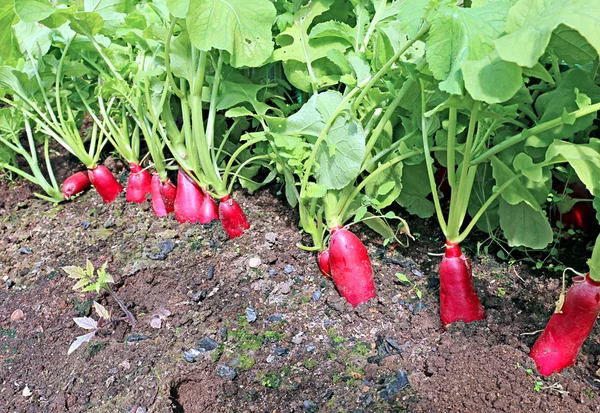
(419, 307)
(223, 333)
(17, 315)
(394, 344)
(297, 339)
(9, 284)
(311, 349)
(25, 250)
(86, 224)
(200, 295)
(270, 358)
(288, 269)
(316, 295)
(211, 272)
(157, 257)
(272, 272)
(166, 247)
(251, 314)
(192, 354)
(309, 406)
(254, 262)
(133, 338)
(26, 392)
(141, 409)
(275, 318)
(271, 237)
(285, 288)
(109, 223)
(207, 344)
(226, 372)
(417, 273)
(281, 351)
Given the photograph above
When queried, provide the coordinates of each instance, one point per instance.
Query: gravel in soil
(250, 325)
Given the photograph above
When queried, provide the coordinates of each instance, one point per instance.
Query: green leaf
(530, 24)
(360, 213)
(74, 271)
(33, 38)
(112, 12)
(402, 277)
(415, 191)
(584, 158)
(31, 11)
(411, 14)
(524, 226)
(178, 8)
(339, 157)
(87, 22)
(314, 190)
(571, 47)
(482, 190)
(524, 164)
(7, 18)
(515, 193)
(242, 28)
(540, 72)
(386, 186)
(491, 79)
(379, 226)
(459, 34)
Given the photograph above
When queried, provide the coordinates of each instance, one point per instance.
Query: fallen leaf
(17, 315)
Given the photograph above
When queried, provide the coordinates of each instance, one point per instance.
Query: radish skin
(75, 184)
(350, 267)
(323, 261)
(162, 204)
(139, 184)
(188, 200)
(557, 347)
(209, 210)
(458, 299)
(232, 217)
(105, 183)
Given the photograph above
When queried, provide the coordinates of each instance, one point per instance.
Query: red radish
(232, 217)
(139, 184)
(162, 204)
(350, 267)
(105, 183)
(323, 261)
(75, 184)
(188, 200)
(559, 343)
(458, 299)
(208, 210)
(582, 216)
(441, 181)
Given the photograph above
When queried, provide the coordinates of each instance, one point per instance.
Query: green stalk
(542, 127)
(234, 156)
(451, 155)
(594, 262)
(429, 163)
(241, 166)
(460, 196)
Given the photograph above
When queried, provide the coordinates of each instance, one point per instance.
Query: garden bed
(307, 350)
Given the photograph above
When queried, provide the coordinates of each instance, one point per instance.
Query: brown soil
(337, 359)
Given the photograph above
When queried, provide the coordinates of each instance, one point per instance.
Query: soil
(307, 350)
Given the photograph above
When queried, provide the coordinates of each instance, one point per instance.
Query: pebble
(207, 344)
(200, 295)
(270, 358)
(254, 262)
(17, 315)
(297, 339)
(417, 273)
(394, 344)
(309, 406)
(226, 372)
(166, 247)
(109, 223)
(419, 307)
(211, 272)
(192, 354)
(9, 284)
(272, 272)
(157, 257)
(281, 351)
(25, 250)
(288, 269)
(136, 337)
(250, 314)
(275, 318)
(311, 349)
(86, 224)
(140, 409)
(285, 288)
(271, 237)
(316, 295)
(223, 333)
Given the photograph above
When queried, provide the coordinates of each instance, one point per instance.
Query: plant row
(482, 114)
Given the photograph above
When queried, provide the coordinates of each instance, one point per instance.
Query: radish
(458, 299)
(582, 215)
(162, 204)
(572, 321)
(105, 183)
(188, 200)
(232, 217)
(139, 184)
(559, 343)
(323, 261)
(350, 267)
(75, 184)
(208, 210)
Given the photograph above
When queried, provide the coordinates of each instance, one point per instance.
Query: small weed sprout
(99, 282)
(403, 278)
